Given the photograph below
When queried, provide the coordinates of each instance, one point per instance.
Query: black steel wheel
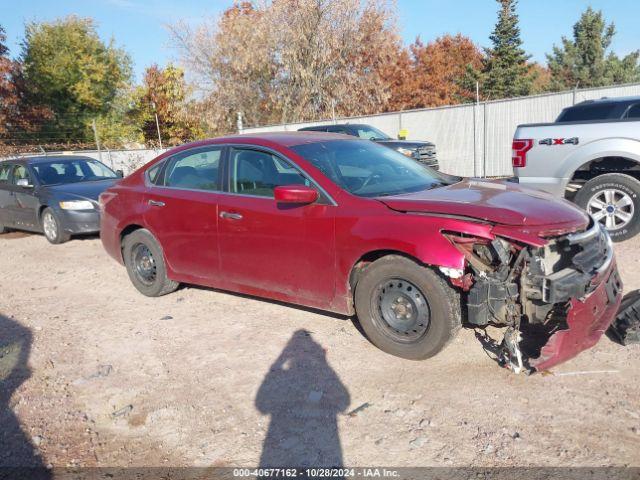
(406, 309)
(403, 310)
(145, 264)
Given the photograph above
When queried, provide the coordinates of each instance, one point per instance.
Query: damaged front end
(556, 295)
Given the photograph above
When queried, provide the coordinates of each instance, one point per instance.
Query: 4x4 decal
(560, 141)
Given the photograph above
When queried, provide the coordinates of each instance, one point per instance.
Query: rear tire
(52, 227)
(614, 200)
(406, 309)
(145, 264)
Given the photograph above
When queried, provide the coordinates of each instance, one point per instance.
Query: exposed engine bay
(554, 299)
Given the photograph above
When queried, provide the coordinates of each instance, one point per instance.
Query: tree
(17, 118)
(8, 95)
(505, 72)
(291, 60)
(584, 61)
(164, 92)
(433, 79)
(68, 68)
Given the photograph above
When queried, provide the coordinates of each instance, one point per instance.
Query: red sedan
(352, 227)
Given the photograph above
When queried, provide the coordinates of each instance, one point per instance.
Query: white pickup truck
(589, 155)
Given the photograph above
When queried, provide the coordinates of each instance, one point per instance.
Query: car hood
(84, 190)
(495, 201)
(412, 144)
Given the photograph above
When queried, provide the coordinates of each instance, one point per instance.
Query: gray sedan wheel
(52, 227)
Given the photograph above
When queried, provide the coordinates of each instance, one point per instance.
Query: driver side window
(21, 173)
(257, 173)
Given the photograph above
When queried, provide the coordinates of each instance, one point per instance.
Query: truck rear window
(600, 111)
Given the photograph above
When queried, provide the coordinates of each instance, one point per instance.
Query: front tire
(406, 309)
(52, 227)
(614, 200)
(145, 264)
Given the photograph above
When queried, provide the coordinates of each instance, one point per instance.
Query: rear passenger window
(195, 171)
(579, 113)
(5, 170)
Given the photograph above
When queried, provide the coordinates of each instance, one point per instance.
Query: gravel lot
(93, 373)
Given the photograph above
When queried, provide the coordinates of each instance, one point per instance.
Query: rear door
(288, 249)
(181, 210)
(6, 195)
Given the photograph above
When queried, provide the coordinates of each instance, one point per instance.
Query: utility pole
(239, 122)
(95, 134)
(333, 110)
(475, 137)
(155, 112)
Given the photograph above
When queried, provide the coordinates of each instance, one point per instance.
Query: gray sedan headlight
(77, 205)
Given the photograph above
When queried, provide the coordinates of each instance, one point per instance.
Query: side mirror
(298, 194)
(120, 173)
(24, 183)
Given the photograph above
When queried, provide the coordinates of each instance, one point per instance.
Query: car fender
(418, 236)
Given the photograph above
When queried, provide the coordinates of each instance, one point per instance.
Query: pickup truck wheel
(406, 309)
(144, 260)
(614, 200)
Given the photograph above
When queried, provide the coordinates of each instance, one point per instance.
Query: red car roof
(285, 139)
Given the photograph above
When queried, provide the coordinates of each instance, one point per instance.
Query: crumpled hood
(80, 190)
(496, 201)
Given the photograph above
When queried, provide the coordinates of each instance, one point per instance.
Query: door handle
(231, 216)
(155, 203)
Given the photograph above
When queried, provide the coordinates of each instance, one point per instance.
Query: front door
(6, 196)
(181, 210)
(286, 249)
(25, 203)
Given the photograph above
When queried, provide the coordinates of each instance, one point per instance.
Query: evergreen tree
(505, 71)
(584, 61)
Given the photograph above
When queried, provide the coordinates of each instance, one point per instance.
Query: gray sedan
(55, 195)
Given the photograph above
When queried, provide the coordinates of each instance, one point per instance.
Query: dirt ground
(94, 374)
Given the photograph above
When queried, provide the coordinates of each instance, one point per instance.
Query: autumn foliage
(431, 73)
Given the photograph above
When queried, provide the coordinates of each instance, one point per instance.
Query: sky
(139, 26)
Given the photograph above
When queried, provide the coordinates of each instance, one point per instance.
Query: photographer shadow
(16, 450)
(303, 395)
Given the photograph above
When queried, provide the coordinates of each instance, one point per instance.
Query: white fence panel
(467, 147)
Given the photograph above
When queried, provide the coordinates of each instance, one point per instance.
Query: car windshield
(370, 133)
(368, 169)
(72, 171)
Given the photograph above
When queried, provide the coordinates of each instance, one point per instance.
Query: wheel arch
(613, 155)
(360, 265)
(41, 210)
(128, 230)
(603, 165)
